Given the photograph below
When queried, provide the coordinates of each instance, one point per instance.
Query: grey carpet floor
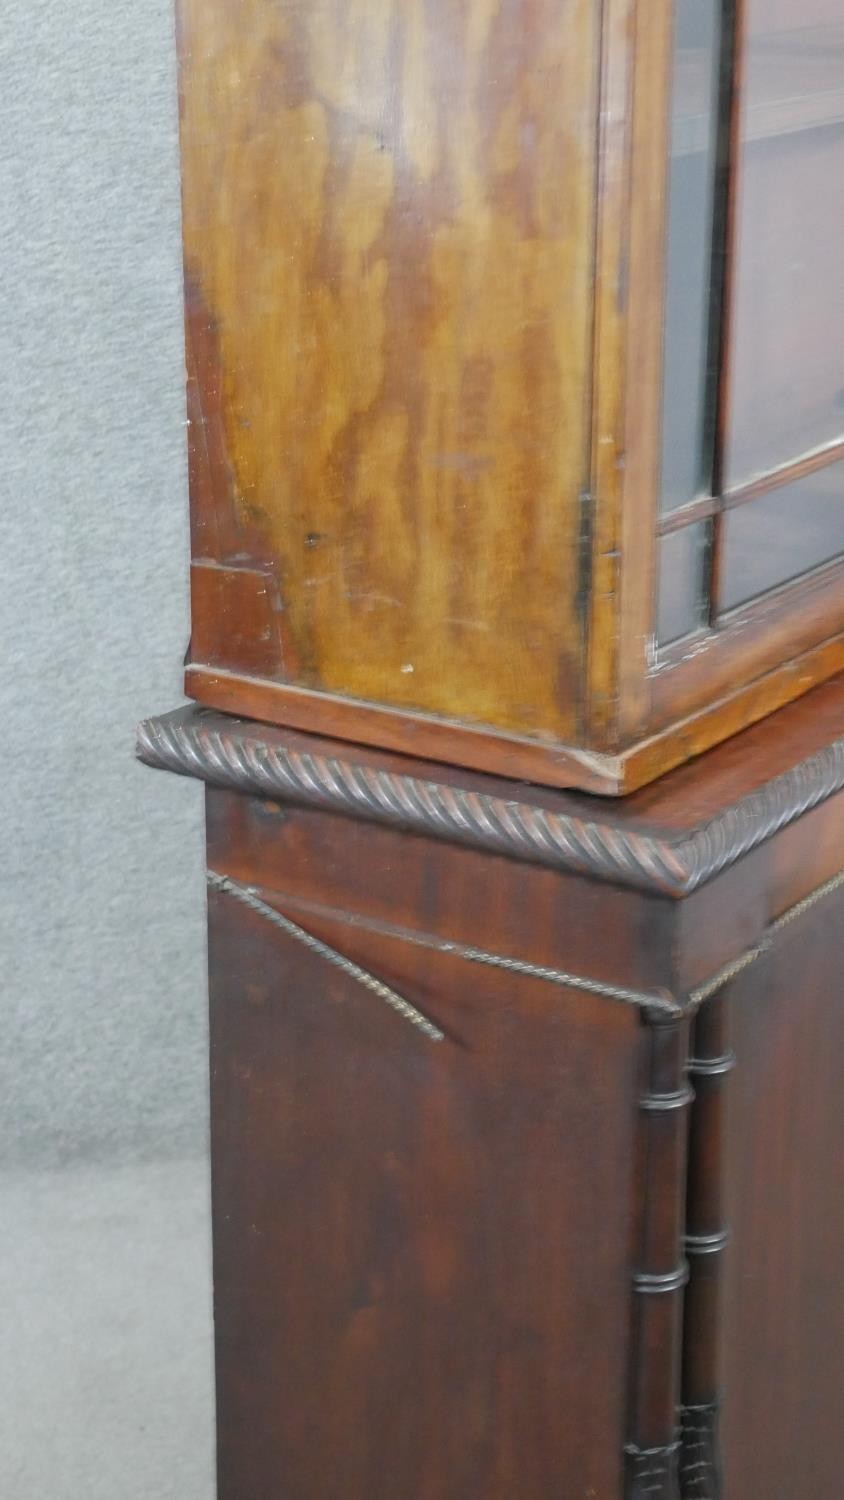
(106, 1359)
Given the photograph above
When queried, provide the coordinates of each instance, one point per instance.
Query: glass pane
(787, 335)
(784, 534)
(689, 252)
(682, 558)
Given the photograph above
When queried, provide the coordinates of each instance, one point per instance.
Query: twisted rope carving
(233, 754)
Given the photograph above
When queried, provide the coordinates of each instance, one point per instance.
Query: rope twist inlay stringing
(658, 1003)
(249, 897)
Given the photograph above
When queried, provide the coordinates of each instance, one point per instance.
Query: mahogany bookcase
(516, 429)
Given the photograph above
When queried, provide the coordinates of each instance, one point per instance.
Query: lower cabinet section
(526, 1183)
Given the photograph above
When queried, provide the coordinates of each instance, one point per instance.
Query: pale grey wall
(102, 1012)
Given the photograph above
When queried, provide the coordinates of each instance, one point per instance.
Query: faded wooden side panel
(389, 241)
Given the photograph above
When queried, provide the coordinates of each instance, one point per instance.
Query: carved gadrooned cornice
(239, 755)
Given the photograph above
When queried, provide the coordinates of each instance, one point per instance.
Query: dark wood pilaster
(653, 1446)
(707, 1237)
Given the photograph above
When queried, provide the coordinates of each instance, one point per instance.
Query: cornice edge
(232, 753)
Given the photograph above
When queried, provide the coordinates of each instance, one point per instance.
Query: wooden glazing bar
(700, 509)
(734, 22)
(776, 479)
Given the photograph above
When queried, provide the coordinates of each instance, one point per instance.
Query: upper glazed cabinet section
(752, 482)
(515, 382)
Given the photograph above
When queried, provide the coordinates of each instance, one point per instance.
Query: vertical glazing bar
(726, 201)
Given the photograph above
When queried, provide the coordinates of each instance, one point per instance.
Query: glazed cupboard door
(751, 473)
(783, 455)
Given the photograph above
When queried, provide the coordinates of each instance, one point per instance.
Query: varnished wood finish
(646, 32)
(315, 860)
(670, 838)
(768, 639)
(661, 1272)
(420, 1289)
(701, 509)
(628, 347)
(707, 1240)
(810, 463)
(425, 272)
(425, 285)
(563, 766)
(458, 1268)
(389, 239)
(408, 733)
(783, 1339)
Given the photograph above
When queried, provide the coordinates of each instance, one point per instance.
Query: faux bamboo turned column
(707, 1238)
(662, 1273)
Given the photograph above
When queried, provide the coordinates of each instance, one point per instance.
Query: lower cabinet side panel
(783, 1325)
(422, 1250)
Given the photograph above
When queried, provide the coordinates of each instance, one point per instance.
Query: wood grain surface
(783, 1323)
(423, 1280)
(389, 244)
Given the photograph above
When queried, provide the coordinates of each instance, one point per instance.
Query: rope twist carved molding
(233, 754)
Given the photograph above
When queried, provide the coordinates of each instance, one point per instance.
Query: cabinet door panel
(683, 557)
(691, 187)
(786, 372)
(783, 534)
